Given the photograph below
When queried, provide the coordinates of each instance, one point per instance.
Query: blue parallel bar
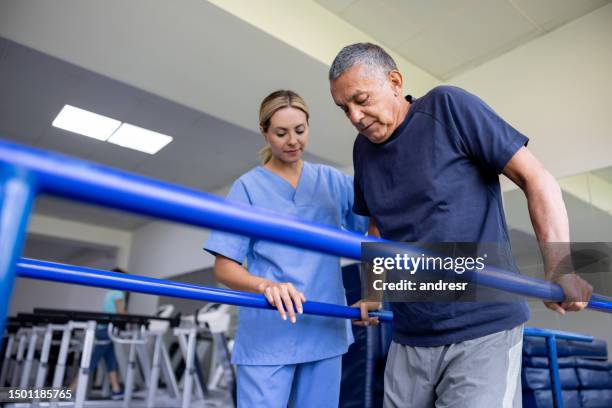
(562, 335)
(17, 195)
(80, 180)
(551, 345)
(35, 269)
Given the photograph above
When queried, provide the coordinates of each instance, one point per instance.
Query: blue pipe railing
(41, 172)
(551, 337)
(35, 269)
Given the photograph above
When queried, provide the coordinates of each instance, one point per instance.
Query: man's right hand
(365, 307)
(283, 296)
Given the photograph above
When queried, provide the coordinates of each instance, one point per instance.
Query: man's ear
(397, 81)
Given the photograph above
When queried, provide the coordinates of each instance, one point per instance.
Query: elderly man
(426, 170)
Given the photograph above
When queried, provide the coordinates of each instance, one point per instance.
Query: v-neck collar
(267, 170)
(294, 191)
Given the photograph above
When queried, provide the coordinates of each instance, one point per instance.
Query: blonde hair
(275, 101)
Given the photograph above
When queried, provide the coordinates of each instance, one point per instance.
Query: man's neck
(402, 112)
(404, 109)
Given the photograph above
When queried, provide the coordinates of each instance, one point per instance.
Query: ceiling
(201, 78)
(604, 174)
(206, 154)
(447, 37)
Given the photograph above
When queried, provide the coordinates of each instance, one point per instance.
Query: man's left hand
(577, 294)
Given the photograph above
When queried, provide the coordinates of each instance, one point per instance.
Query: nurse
(283, 357)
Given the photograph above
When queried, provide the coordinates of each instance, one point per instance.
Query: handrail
(51, 271)
(562, 335)
(56, 174)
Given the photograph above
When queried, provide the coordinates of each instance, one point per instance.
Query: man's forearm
(550, 222)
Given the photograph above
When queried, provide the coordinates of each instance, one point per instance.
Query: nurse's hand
(283, 296)
(365, 307)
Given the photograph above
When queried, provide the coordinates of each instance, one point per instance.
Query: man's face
(369, 100)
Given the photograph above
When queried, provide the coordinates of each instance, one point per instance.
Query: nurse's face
(287, 134)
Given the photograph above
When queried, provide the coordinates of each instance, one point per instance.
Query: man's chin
(376, 137)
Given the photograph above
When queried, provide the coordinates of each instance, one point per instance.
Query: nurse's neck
(289, 171)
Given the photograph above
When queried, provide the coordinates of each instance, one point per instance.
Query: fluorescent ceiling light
(137, 138)
(85, 123)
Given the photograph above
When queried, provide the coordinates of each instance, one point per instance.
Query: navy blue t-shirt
(436, 179)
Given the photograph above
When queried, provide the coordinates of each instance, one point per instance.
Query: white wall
(556, 90)
(29, 293)
(161, 250)
(79, 231)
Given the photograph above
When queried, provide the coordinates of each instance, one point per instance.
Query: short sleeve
(116, 295)
(109, 305)
(350, 220)
(484, 136)
(226, 244)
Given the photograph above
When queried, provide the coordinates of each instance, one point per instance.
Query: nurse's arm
(235, 276)
(281, 295)
(550, 224)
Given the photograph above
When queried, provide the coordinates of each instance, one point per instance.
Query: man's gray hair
(370, 55)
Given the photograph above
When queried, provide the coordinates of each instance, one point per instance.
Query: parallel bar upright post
(16, 198)
(551, 343)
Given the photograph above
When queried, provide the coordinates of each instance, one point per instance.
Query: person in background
(115, 301)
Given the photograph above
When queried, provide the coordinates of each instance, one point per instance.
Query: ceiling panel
(485, 28)
(549, 14)
(605, 174)
(367, 17)
(336, 6)
(21, 127)
(431, 58)
(103, 96)
(65, 142)
(447, 37)
(424, 13)
(112, 155)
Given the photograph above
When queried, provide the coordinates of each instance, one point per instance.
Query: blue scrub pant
(312, 384)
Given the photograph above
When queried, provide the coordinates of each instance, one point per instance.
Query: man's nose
(355, 116)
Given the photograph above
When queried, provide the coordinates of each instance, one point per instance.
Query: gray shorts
(483, 372)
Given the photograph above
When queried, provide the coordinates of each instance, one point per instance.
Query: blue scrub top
(324, 196)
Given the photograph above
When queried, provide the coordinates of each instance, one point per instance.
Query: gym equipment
(563, 369)
(132, 330)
